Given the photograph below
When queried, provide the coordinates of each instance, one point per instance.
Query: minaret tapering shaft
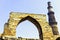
(52, 20)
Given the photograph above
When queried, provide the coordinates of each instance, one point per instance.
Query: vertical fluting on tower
(52, 20)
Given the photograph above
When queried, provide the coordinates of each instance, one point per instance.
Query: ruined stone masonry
(47, 30)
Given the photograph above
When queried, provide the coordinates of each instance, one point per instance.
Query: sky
(27, 6)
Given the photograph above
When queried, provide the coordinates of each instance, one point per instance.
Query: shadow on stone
(58, 38)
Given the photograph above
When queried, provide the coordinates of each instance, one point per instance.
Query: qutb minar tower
(52, 21)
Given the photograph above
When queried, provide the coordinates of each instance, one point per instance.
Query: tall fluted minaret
(52, 21)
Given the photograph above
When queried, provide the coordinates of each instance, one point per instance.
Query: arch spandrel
(22, 15)
(19, 16)
(15, 18)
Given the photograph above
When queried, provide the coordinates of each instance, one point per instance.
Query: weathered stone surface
(39, 20)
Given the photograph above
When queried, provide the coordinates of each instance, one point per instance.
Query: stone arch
(44, 29)
(36, 23)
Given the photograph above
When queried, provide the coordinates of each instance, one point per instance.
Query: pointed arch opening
(29, 30)
(36, 23)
